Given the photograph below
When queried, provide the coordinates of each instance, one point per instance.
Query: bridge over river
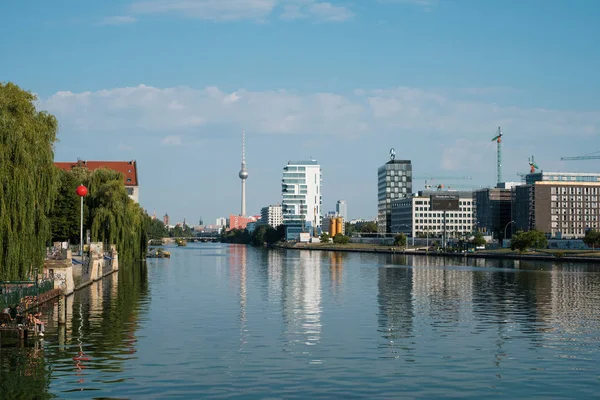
(189, 239)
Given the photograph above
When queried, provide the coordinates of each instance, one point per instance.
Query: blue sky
(172, 84)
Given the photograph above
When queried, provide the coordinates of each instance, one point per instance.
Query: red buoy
(81, 190)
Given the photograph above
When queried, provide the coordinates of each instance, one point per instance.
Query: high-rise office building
(394, 181)
(342, 209)
(301, 198)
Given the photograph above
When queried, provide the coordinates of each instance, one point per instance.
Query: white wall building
(271, 215)
(301, 197)
(222, 221)
(412, 216)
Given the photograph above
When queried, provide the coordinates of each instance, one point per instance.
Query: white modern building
(301, 198)
(271, 215)
(412, 216)
(341, 208)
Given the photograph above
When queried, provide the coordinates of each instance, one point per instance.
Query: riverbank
(585, 256)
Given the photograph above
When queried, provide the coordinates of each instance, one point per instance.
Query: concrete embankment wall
(401, 250)
(69, 277)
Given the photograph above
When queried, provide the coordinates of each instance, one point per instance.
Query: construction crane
(439, 178)
(589, 156)
(532, 165)
(498, 140)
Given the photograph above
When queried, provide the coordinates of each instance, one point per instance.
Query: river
(230, 321)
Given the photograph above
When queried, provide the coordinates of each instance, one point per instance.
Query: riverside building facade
(271, 215)
(412, 216)
(564, 205)
(301, 198)
(394, 182)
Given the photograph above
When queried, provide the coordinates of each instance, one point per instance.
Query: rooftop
(127, 168)
(309, 162)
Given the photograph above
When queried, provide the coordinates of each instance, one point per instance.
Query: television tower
(243, 174)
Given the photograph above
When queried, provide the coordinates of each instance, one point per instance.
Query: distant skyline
(172, 84)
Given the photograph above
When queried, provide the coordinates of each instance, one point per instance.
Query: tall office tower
(394, 181)
(301, 197)
(342, 209)
(243, 175)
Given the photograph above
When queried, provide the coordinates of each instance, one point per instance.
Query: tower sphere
(243, 174)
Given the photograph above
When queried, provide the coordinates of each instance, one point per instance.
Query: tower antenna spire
(243, 147)
(243, 174)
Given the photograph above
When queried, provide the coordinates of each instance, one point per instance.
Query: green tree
(350, 228)
(274, 235)
(28, 182)
(519, 241)
(114, 217)
(478, 240)
(532, 239)
(239, 236)
(65, 213)
(157, 229)
(341, 239)
(400, 240)
(259, 236)
(368, 227)
(324, 237)
(538, 239)
(592, 239)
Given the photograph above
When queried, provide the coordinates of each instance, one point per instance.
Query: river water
(230, 321)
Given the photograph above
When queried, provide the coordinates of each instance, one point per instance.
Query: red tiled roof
(127, 168)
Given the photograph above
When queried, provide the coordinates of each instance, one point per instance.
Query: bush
(400, 240)
(341, 239)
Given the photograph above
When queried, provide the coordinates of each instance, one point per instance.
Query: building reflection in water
(575, 301)
(237, 269)
(336, 269)
(301, 297)
(395, 317)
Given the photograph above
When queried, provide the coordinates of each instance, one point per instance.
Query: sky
(172, 83)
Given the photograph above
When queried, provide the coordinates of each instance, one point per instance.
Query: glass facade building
(394, 181)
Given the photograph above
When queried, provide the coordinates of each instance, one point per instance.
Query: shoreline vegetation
(546, 254)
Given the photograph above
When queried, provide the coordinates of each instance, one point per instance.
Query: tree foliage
(28, 182)
(531, 239)
(368, 227)
(478, 240)
(157, 229)
(324, 237)
(65, 214)
(592, 238)
(263, 234)
(341, 239)
(400, 239)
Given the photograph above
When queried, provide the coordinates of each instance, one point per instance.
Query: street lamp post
(511, 222)
(81, 192)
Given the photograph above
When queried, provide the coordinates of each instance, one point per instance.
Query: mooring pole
(62, 309)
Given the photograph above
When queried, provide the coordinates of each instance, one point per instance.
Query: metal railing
(24, 293)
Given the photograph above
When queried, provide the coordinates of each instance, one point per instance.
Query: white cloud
(173, 140)
(426, 5)
(118, 20)
(400, 110)
(233, 10)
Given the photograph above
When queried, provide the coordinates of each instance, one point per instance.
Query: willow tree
(114, 217)
(27, 182)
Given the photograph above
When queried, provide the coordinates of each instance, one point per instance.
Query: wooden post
(62, 309)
